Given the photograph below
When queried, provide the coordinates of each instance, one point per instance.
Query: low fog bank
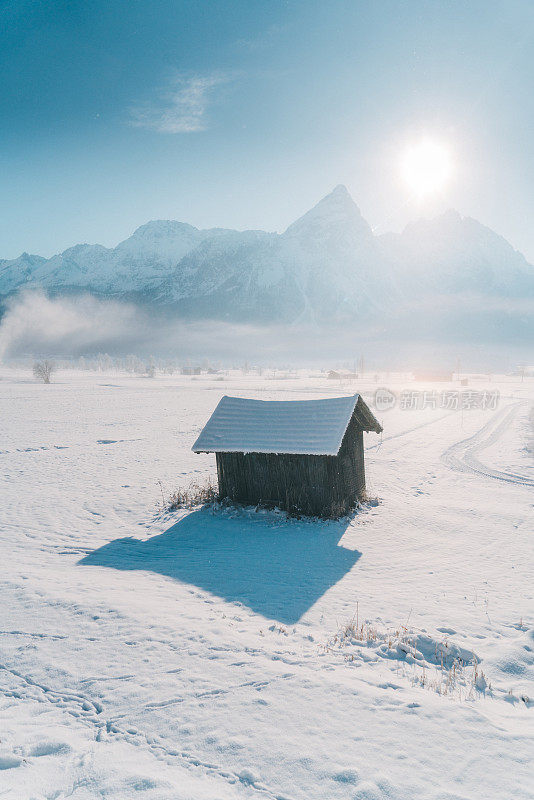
(35, 325)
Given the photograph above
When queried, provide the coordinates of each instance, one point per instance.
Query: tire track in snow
(462, 456)
(409, 430)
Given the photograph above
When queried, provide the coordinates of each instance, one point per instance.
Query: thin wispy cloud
(181, 107)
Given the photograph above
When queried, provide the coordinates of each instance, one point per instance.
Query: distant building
(335, 375)
(304, 456)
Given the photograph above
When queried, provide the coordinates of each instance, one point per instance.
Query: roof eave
(265, 452)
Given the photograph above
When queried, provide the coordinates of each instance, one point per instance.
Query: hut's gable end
(365, 418)
(351, 460)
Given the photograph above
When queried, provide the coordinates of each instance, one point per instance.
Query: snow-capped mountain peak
(158, 228)
(459, 253)
(334, 213)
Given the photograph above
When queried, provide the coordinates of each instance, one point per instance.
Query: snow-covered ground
(220, 653)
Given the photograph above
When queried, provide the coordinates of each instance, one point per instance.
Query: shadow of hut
(277, 568)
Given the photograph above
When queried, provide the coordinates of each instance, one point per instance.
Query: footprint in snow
(346, 776)
(9, 762)
(48, 749)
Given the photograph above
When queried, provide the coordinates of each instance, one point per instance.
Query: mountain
(16, 272)
(328, 266)
(135, 265)
(455, 254)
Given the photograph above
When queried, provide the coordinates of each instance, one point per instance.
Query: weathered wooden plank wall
(314, 485)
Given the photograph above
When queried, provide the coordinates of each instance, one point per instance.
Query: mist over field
(484, 336)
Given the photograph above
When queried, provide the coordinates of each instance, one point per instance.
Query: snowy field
(221, 653)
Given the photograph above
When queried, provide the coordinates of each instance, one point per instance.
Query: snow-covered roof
(304, 427)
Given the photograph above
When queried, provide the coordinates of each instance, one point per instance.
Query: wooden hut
(305, 456)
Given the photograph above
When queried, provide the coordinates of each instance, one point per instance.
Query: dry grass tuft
(367, 500)
(440, 666)
(198, 493)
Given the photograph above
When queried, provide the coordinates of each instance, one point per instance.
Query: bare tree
(43, 370)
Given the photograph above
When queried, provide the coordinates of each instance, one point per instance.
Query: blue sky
(244, 114)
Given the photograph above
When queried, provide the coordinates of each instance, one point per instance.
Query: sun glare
(426, 168)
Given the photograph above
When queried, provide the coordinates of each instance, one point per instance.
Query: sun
(426, 168)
